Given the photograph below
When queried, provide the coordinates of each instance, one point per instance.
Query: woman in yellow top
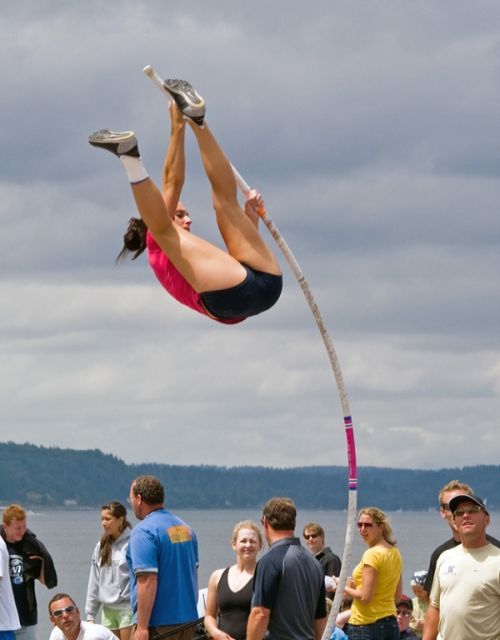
(376, 582)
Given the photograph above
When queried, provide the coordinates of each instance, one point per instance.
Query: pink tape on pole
(351, 453)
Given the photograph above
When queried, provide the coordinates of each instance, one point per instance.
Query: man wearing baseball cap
(465, 596)
(449, 491)
(404, 608)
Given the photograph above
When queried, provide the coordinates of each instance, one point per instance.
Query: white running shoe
(187, 99)
(122, 143)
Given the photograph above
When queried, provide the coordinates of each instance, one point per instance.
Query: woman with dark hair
(228, 286)
(109, 579)
(376, 583)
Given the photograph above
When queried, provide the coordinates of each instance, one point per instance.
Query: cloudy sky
(370, 127)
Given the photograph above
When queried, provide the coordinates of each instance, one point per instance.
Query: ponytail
(134, 240)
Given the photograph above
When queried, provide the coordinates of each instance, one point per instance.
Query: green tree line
(53, 477)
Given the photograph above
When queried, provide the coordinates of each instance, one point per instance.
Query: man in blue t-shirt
(163, 561)
(288, 589)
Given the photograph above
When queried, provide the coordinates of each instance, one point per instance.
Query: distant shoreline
(68, 479)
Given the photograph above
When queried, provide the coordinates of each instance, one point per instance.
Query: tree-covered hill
(52, 477)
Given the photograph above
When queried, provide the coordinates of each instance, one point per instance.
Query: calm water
(71, 536)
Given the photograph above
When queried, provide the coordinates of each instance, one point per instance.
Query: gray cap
(466, 497)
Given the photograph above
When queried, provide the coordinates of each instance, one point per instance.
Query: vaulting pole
(348, 426)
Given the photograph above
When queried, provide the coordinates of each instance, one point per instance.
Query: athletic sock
(134, 168)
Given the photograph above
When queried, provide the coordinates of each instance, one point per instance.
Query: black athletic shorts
(258, 292)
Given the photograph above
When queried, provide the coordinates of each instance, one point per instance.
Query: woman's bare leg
(242, 239)
(124, 633)
(203, 265)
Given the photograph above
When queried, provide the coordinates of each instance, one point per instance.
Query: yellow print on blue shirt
(179, 533)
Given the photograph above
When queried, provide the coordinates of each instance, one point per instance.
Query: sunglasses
(58, 612)
(310, 536)
(461, 512)
(365, 525)
(403, 612)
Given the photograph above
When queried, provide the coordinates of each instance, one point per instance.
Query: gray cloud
(370, 130)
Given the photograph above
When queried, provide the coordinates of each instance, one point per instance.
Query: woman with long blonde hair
(376, 582)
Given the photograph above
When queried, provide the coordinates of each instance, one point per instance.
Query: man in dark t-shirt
(314, 536)
(288, 588)
(29, 560)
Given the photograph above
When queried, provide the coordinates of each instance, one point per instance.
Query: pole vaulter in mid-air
(227, 286)
(164, 230)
